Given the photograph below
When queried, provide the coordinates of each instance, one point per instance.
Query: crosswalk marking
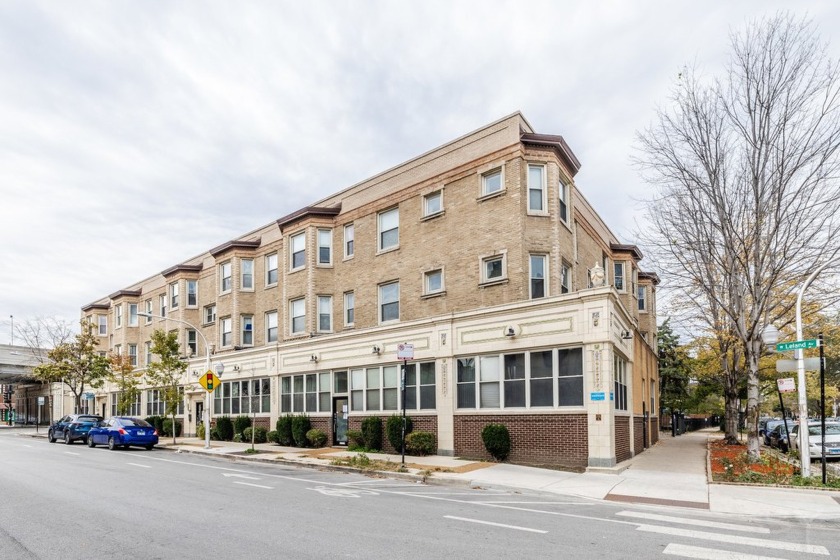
(735, 539)
(695, 522)
(711, 553)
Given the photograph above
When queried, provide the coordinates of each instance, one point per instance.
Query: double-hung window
(162, 304)
(324, 313)
(349, 308)
(389, 229)
(174, 295)
(565, 278)
(298, 253)
(192, 293)
(620, 372)
(563, 190)
(297, 312)
(210, 314)
(271, 269)
(247, 322)
(389, 302)
(641, 294)
(536, 188)
(433, 204)
(225, 277)
(147, 349)
(132, 315)
(349, 239)
(226, 331)
(246, 274)
(103, 325)
(271, 326)
(325, 246)
(118, 316)
(132, 354)
(539, 264)
(192, 342)
(618, 276)
(149, 311)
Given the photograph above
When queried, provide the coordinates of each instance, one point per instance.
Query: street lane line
(711, 553)
(468, 520)
(139, 465)
(735, 539)
(254, 485)
(696, 522)
(534, 503)
(71, 453)
(237, 475)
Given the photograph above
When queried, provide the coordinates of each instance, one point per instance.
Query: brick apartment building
(522, 306)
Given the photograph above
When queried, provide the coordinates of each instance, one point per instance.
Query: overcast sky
(135, 135)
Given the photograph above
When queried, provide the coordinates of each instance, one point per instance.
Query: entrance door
(199, 414)
(340, 409)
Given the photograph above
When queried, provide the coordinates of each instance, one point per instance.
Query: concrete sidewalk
(671, 473)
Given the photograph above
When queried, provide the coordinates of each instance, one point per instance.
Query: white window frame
(427, 287)
(325, 313)
(192, 294)
(565, 278)
(545, 275)
(102, 322)
(192, 342)
(485, 260)
(297, 310)
(209, 314)
(349, 241)
(118, 312)
(616, 266)
(380, 232)
(430, 213)
(225, 277)
(226, 331)
(324, 242)
(541, 189)
(132, 354)
(485, 192)
(162, 299)
(133, 318)
(149, 308)
(641, 294)
(297, 246)
(147, 347)
(620, 387)
(383, 302)
(563, 196)
(271, 326)
(246, 327)
(246, 278)
(174, 295)
(349, 308)
(271, 265)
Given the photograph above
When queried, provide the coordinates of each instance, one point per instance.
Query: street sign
(40, 401)
(405, 351)
(784, 366)
(88, 396)
(209, 381)
(786, 385)
(797, 345)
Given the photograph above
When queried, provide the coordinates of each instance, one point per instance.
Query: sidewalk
(673, 473)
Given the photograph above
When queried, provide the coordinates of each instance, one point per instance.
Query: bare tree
(43, 333)
(747, 202)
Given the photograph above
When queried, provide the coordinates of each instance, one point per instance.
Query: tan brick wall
(536, 439)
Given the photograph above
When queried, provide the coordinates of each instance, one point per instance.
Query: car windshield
(830, 430)
(135, 422)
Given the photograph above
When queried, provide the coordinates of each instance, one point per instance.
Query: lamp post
(206, 368)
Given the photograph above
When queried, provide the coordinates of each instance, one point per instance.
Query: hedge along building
(522, 306)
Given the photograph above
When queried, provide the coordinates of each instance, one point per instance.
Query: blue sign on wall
(597, 396)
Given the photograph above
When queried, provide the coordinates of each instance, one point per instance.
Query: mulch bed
(729, 463)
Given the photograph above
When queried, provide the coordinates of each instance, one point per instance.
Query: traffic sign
(405, 351)
(209, 381)
(811, 364)
(797, 345)
(786, 385)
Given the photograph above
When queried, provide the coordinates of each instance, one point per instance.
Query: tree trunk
(753, 444)
(731, 417)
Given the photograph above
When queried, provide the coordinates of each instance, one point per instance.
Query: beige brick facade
(489, 198)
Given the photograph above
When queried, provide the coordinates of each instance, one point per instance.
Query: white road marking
(711, 553)
(254, 485)
(139, 465)
(735, 539)
(237, 475)
(71, 453)
(695, 522)
(468, 520)
(343, 492)
(533, 503)
(25, 445)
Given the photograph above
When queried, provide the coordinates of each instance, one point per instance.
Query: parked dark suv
(73, 427)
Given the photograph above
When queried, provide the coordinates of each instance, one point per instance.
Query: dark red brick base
(622, 438)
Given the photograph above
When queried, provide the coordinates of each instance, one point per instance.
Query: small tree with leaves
(674, 370)
(122, 375)
(77, 364)
(167, 371)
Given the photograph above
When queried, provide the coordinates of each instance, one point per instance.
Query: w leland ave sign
(797, 345)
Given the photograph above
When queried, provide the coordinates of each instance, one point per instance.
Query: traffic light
(209, 381)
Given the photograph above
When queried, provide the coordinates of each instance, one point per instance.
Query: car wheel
(90, 442)
(150, 446)
(67, 440)
(50, 437)
(112, 444)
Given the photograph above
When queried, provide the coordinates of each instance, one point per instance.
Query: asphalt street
(68, 502)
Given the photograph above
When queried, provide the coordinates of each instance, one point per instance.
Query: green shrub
(316, 437)
(199, 430)
(214, 434)
(284, 431)
(420, 443)
(167, 427)
(393, 429)
(240, 423)
(273, 436)
(157, 422)
(300, 425)
(355, 440)
(372, 433)
(260, 435)
(496, 440)
(224, 426)
(237, 438)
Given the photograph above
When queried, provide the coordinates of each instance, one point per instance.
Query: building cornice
(95, 306)
(308, 211)
(234, 244)
(622, 248)
(558, 144)
(182, 268)
(125, 293)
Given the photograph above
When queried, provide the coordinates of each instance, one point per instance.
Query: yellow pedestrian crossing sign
(209, 381)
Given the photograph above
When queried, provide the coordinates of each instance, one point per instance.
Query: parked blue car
(123, 431)
(72, 427)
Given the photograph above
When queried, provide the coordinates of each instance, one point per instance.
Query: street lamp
(219, 369)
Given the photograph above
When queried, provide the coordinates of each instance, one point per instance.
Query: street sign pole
(822, 408)
(405, 365)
